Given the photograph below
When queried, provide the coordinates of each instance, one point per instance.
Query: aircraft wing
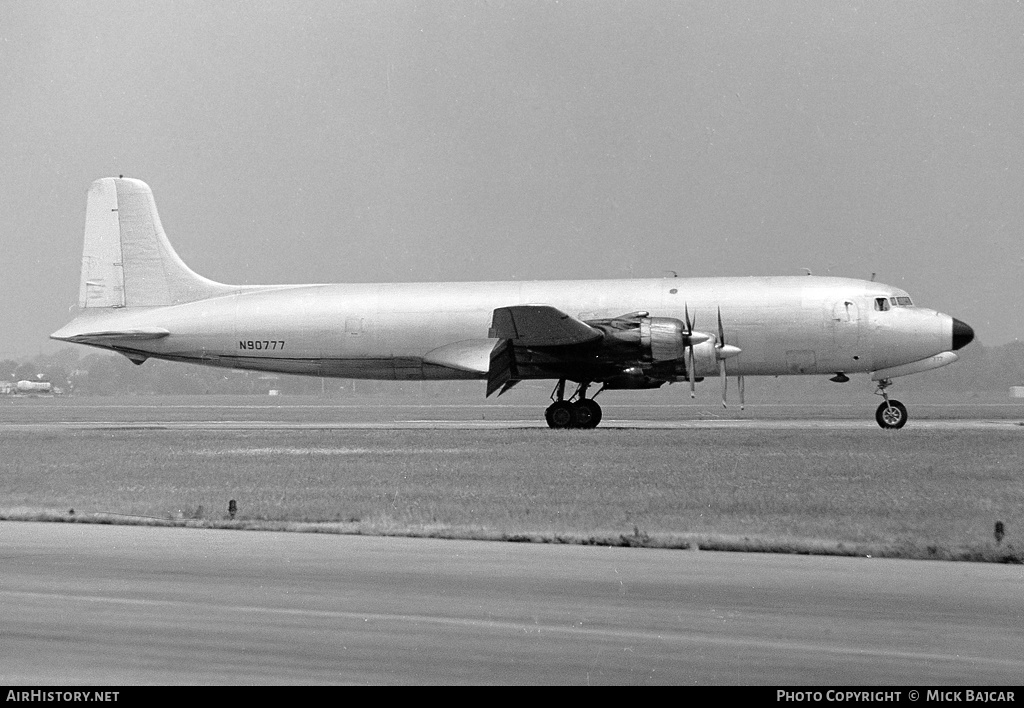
(533, 327)
(540, 326)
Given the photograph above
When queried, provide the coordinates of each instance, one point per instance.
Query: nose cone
(962, 334)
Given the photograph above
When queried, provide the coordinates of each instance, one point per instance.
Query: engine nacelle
(652, 338)
(663, 337)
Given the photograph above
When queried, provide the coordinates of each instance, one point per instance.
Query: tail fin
(127, 260)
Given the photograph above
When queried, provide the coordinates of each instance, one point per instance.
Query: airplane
(138, 298)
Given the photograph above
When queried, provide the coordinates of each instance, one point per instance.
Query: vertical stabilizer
(102, 272)
(127, 260)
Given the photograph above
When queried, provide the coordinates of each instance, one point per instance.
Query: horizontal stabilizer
(110, 336)
(540, 326)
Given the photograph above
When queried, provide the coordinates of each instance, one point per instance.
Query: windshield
(882, 304)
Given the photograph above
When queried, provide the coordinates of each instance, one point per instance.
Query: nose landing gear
(577, 412)
(891, 414)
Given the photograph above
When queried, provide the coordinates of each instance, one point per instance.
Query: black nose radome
(962, 334)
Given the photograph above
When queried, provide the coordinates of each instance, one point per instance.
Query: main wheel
(560, 414)
(891, 414)
(586, 413)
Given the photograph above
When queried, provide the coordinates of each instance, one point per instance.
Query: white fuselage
(782, 325)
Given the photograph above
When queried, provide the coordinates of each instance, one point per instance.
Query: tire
(586, 414)
(891, 415)
(560, 415)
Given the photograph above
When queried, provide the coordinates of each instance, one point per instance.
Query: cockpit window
(883, 304)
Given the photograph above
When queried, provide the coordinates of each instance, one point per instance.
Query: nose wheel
(891, 414)
(577, 412)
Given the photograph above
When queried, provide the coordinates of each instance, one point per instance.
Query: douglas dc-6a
(138, 298)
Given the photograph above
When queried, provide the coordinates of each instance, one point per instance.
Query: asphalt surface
(93, 604)
(440, 424)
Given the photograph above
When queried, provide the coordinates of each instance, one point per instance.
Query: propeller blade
(739, 380)
(721, 331)
(725, 381)
(689, 338)
(689, 370)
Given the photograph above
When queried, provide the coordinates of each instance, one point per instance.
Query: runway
(705, 424)
(134, 605)
(251, 413)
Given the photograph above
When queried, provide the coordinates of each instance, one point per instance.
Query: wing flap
(502, 373)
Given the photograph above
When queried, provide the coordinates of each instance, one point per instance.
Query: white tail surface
(127, 260)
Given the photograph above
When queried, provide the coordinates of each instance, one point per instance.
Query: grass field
(911, 493)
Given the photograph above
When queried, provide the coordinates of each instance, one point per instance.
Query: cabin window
(882, 304)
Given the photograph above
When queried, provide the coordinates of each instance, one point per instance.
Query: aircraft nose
(962, 334)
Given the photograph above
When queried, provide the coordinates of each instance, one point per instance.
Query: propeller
(692, 338)
(724, 351)
(689, 338)
(720, 345)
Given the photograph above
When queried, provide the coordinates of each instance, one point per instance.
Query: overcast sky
(292, 141)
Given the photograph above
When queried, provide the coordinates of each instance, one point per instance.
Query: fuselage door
(356, 341)
(845, 324)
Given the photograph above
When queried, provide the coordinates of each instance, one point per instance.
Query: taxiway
(135, 605)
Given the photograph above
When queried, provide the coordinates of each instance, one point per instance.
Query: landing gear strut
(891, 414)
(577, 412)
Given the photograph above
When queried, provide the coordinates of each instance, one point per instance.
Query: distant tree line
(100, 373)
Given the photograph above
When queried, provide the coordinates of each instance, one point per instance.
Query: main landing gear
(577, 412)
(891, 414)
